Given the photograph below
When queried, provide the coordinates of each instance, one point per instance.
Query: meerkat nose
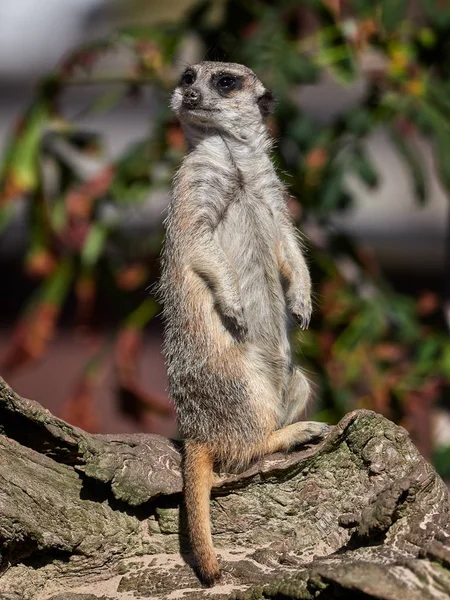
(191, 98)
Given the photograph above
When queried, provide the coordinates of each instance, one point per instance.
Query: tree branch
(84, 517)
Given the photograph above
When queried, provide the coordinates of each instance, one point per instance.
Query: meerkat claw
(312, 431)
(237, 323)
(302, 320)
(301, 312)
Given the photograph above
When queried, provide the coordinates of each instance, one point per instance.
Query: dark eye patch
(188, 78)
(226, 82)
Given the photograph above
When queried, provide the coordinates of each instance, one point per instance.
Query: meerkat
(233, 277)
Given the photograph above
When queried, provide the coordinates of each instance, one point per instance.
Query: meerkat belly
(248, 236)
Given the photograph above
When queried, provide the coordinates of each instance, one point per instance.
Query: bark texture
(89, 517)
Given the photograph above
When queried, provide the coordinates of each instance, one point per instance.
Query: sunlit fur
(233, 275)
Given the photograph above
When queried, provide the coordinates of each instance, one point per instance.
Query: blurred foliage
(441, 460)
(368, 346)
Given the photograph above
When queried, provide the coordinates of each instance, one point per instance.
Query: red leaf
(132, 277)
(40, 264)
(134, 399)
(79, 408)
(31, 337)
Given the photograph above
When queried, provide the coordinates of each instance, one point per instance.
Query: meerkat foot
(296, 434)
(308, 431)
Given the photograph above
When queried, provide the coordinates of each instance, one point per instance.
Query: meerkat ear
(267, 103)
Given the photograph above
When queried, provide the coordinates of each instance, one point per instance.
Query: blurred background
(88, 148)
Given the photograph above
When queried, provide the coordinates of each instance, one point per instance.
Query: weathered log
(85, 517)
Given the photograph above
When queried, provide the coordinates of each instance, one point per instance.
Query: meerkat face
(223, 96)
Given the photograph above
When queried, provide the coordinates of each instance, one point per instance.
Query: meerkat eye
(187, 78)
(226, 83)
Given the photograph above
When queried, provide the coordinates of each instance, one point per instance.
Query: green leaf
(402, 313)
(94, 245)
(56, 287)
(335, 53)
(134, 163)
(298, 68)
(303, 130)
(331, 191)
(58, 215)
(442, 152)
(105, 102)
(428, 349)
(364, 168)
(20, 163)
(364, 7)
(359, 122)
(6, 214)
(352, 367)
(142, 314)
(427, 357)
(414, 163)
(437, 96)
(392, 14)
(441, 461)
(166, 36)
(368, 325)
(132, 181)
(437, 13)
(445, 360)
(440, 125)
(427, 37)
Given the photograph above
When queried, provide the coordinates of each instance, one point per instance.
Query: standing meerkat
(233, 276)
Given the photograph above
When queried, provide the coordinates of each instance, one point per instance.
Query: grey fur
(233, 274)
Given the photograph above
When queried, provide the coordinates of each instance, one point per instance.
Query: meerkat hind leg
(298, 394)
(293, 435)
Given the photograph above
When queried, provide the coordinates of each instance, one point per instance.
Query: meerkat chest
(242, 189)
(249, 227)
(252, 208)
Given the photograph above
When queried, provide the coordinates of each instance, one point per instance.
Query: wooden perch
(86, 517)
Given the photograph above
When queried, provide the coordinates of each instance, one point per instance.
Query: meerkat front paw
(235, 321)
(301, 310)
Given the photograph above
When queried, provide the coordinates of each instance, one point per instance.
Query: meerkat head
(226, 97)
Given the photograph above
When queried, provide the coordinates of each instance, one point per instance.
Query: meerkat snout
(191, 98)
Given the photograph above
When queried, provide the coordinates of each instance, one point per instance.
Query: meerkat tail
(198, 477)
